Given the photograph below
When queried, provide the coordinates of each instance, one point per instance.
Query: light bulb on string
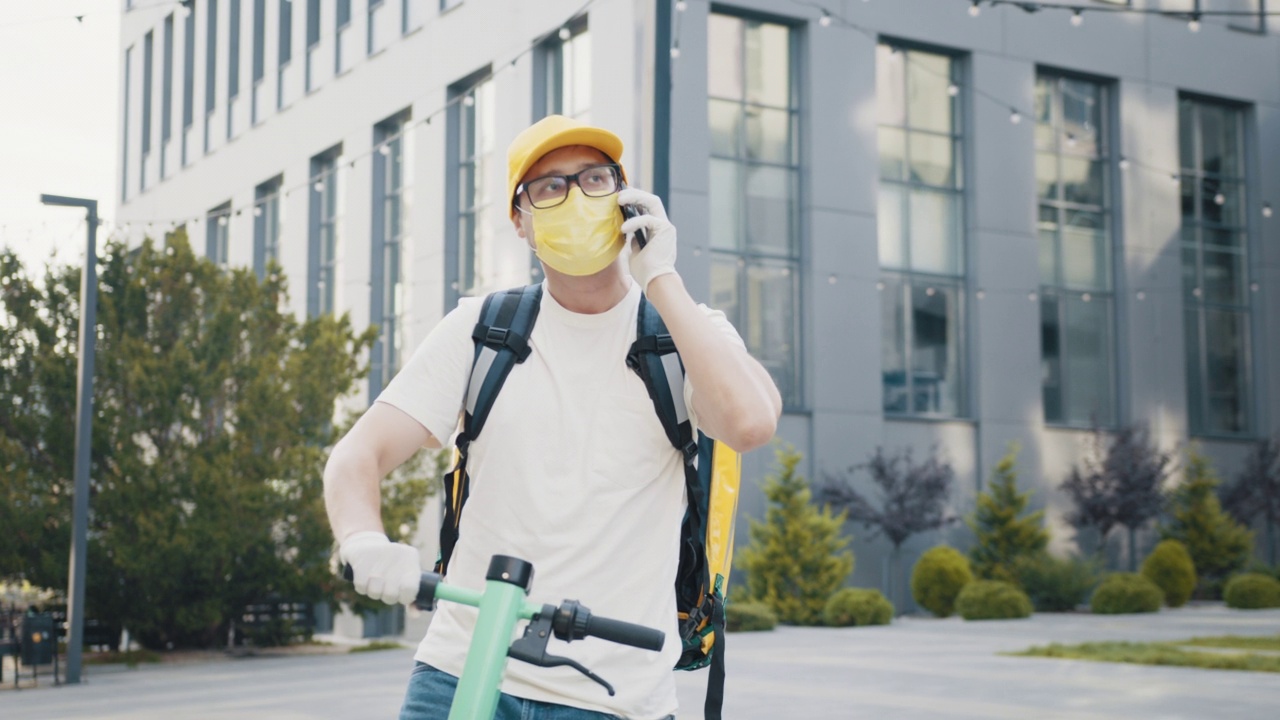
(222, 221)
(1219, 199)
(1175, 178)
(318, 186)
(675, 51)
(975, 9)
(1124, 163)
(384, 149)
(1266, 210)
(1071, 140)
(1077, 18)
(257, 211)
(953, 89)
(468, 100)
(825, 20)
(681, 6)
(565, 33)
(1015, 117)
(1194, 24)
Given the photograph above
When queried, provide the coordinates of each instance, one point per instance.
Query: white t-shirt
(572, 472)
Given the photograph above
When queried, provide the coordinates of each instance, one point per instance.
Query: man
(573, 471)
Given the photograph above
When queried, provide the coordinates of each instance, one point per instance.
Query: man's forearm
(738, 402)
(351, 492)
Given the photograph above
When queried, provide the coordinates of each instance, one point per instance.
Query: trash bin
(37, 639)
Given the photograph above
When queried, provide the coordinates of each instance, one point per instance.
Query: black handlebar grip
(626, 633)
(426, 587)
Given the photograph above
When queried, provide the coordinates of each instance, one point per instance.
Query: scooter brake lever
(532, 648)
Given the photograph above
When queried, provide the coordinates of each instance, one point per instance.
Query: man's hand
(383, 570)
(658, 256)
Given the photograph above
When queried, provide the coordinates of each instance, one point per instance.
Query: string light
(1124, 163)
(1266, 210)
(681, 6)
(825, 20)
(1194, 24)
(1015, 117)
(675, 51)
(1077, 18)
(953, 89)
(384, 149)
(565, 33)
(975, 9)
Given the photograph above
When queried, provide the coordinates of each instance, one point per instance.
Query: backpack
(711, 468)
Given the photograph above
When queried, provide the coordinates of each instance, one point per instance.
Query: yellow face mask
(580, 236)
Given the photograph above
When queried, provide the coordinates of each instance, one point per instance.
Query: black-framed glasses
(549, 191)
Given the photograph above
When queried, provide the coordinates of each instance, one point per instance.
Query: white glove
(383, 570)
(658, 257)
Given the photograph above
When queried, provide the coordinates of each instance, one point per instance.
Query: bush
(797, 556)
(1169, 566)
(938, 577)
(992, 600)
(1252, 591)
(1122, 593)
(857, 607)
(1219, 546)
(1055, 584)
(748, 616)
(1002, 532)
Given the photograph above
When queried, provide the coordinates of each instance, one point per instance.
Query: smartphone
(630, 211)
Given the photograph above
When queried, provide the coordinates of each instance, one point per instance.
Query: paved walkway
(915, 668)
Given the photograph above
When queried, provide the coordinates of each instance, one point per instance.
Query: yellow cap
(552, 133)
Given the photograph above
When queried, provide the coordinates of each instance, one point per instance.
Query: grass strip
(1154, 654)
(1238, 642)
(128, 657)
(375, 646)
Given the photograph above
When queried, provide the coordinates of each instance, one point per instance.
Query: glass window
(147, 68)
(166, 91)
(217, 236)
(920, 232)
(388, 284)
(564, 70)
(753, 111)
(1215, 261)
(471, 133)
(322, 250)
(188, 71)
(259, 40)
(233, 72)
(1077, 317)
(266, 224)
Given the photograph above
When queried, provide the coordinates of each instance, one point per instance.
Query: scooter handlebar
(626, 633)
(426, 599)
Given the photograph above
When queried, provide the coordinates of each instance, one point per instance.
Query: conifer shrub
(1055, 584)
(797, 556)
(992, 600)
(1124, 593)
(938, 577)
(857, 607)
(1003, 529)
(749, 616)
(1219, 546)
(1252, 591)
(1169, 566)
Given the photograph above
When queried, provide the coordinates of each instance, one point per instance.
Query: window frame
(217, 237)
(792, 262)
(1196, 303)
(1110, 212)
(266, 224)
(455, 165)
(323, 241)
(906, 275)
(387, 262)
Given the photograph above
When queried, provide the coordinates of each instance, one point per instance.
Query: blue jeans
(431, 692)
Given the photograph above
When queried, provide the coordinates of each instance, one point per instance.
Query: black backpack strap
(502, 341)
(654, 358)
(711, 709)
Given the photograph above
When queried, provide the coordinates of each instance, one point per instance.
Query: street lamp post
(84, 424)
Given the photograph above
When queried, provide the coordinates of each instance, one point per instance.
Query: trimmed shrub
(1055, 584)
(1169, 566)
(938, 577)
(748, 616)
(1252, 591)
(857, 607)
(992, 600)
(1122, 593)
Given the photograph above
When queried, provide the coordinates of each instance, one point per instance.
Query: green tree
(1218, 544)
(797, 557)
(213, 411)
(1003, 533)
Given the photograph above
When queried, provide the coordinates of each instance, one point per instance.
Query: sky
(59, 94)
